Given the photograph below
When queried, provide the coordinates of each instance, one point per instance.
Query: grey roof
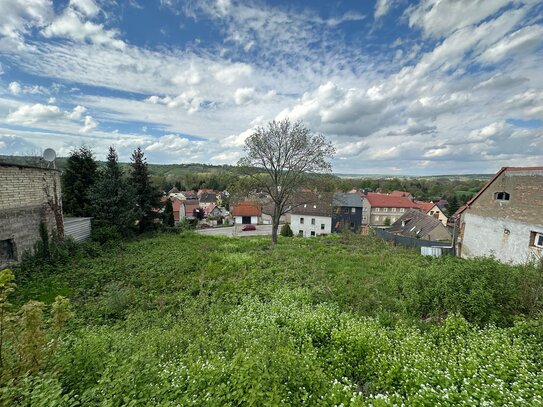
(347, 199)
(414, 223)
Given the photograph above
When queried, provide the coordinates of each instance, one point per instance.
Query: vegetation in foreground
(187, 319)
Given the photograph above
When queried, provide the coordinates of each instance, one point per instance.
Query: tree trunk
(275, 221)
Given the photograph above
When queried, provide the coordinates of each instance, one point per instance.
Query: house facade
(505, 218)
(311, 219)
(431, 209)
(28, 196)
(378, 207)
(347, 212)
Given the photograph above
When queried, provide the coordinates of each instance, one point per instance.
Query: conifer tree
(168, 217)
(147, 197)
(77, 180)
(113, 198)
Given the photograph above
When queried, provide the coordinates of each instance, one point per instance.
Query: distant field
(189, 319)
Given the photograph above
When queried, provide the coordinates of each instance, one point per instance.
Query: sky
(399, 87)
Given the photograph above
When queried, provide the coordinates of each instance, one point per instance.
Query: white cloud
(44, 116)
(14, 88)
(17, 17)
(87, 7)
(382, 7)
(70, 24)
(440, 18)
(29, 114)
(89, 124)
(523, 41)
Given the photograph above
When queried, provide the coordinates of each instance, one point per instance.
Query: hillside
(187, 319)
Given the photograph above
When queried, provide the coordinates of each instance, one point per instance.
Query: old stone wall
(27, 198)
(526, 197)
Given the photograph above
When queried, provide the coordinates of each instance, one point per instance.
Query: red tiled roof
(388, 201)
(246, 208)
(425, 206)
(400, 193)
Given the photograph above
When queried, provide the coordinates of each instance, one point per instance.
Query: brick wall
(25, 195)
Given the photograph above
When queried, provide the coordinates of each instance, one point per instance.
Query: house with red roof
(246, 212)
(431, 209)
(187, 208)
(378, 207)
(505, 218)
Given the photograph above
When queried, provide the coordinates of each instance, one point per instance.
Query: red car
(248, 227)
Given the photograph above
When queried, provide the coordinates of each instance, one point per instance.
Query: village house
(246, 212)
(347, 212)
(313, 217)
(417, 224)
(207, 199)
(378, 207)
(187, 209)
(29, 196)
(505, 218)
(431, 209)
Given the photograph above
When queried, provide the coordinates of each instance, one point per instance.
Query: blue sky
(400, 87)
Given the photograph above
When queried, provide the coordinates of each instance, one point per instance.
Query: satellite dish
(49, 155)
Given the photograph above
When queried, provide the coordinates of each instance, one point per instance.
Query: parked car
(248, 227)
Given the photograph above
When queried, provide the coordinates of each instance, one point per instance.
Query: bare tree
(287, 152)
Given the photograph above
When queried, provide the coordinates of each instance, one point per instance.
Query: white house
(312, 219)
(505, 218)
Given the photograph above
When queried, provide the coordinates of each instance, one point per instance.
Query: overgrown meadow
(185, 319)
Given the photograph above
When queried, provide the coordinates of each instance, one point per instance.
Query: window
(312, 233)
(501, 196)
(301, 221)
(364, 209)
(353, 210)
(402, 209)
(301, 233)
(352, 225)
(312, 221)
(363, 217)
(314, 206)
(536, 239)
(386, 209)
(346, 210)
(393, 209)
(7, 250)
(377, 218)
(322, 226)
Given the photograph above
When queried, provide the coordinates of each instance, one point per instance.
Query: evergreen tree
(78, 178)
(147, 197)
(453, 205)
(113, 198)
(168, 218)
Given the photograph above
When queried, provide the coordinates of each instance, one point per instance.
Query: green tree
(147, 196)
(453, 205)
(286, 152)
(386, 222)
(113, 199)
(32, 338)
(77, 180)
(168, 217)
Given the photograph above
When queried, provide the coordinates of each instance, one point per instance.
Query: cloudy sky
(400, 87)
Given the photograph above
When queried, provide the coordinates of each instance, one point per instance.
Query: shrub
(286, 231)
(105, 234)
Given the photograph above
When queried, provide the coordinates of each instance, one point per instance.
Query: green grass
(192, 319)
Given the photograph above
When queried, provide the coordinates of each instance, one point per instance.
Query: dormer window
(501, 196)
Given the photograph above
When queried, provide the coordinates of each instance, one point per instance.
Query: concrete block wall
(24, 203)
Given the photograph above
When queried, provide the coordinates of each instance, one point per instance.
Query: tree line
(125, 201)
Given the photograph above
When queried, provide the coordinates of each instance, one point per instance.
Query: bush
(286, 231)
(105, 234)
